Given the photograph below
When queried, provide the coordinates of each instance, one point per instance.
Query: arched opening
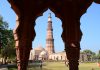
(90, 28)
(40, 42)
(41, 31)
(7, 47)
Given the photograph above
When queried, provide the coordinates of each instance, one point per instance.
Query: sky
(90, 26)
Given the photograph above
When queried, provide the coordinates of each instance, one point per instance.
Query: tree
(87, 51)
(3, 32)
(6, 40)
(8, 52)
(98, 55)
(3, 24)
(91, 55)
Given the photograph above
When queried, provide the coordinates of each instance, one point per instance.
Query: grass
(14, 67)
(61, 66)
(55, 66)
(88, 66)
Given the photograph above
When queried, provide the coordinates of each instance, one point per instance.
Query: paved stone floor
(4, 68)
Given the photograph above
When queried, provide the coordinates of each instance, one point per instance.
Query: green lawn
(88, 66)
(55, 66)
(61, 66)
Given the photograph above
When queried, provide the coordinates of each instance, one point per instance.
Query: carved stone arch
(57, 14)
(69, 11)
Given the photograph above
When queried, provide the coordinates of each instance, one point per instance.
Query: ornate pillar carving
(23, 34)
(71, 36)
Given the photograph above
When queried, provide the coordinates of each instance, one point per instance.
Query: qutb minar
(49, 37)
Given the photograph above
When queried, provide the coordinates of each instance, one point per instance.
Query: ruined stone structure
(69, 11)
(49, 38)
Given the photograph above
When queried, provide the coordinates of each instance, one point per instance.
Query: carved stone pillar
(71, 36)
(23, 34)
(72, 55)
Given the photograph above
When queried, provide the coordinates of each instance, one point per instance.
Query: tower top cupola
(49, 22)
(49, 18)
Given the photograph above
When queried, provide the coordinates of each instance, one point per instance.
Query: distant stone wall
(57, 56)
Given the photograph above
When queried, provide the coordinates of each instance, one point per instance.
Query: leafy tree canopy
(6, 40)
(98, 55)
(88, 52)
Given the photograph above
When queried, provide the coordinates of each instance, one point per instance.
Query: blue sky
(90, 26)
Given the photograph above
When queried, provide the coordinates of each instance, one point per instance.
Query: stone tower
(49, 37)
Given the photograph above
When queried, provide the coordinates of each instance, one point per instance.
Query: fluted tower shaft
(49, 37)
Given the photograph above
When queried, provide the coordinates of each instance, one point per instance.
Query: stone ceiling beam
(97, 1)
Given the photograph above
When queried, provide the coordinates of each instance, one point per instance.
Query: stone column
(24, 33)
(71, 36)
